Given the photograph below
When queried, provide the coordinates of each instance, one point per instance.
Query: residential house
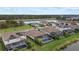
(38, 35)
(50, 31)
(45, 23)
(14, 40)
(64, 27)
(74, 25)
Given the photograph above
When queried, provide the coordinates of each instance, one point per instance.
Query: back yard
(2, 47)
(54, 45)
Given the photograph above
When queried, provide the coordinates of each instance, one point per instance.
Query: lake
(72, 47)
(38, 21)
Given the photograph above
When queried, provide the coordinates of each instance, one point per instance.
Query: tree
(29, 45)
(21, 23)
(76, 30)
(38, 40)
(56, 37)
(3, 25)
(66, 34)
(11, 23)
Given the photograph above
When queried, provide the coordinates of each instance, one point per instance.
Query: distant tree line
(11, 23)
(12, 17)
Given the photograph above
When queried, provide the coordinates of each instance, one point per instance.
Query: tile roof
(49, 29)
(6, 36)
(11, 37)
(34, 33)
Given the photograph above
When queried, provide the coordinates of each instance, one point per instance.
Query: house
(50, 31)
(38, 35)
(74, 25)
(14, 40)
(46, 23)
(64, 27)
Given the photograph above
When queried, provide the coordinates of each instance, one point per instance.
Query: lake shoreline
(69, 44)
(72, 47)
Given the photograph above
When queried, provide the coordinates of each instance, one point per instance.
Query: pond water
(38, 21)
(28, 22)
(73, 47)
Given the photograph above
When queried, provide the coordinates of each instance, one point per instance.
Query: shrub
(39, 41)
(76, 30)
(56, 37)
(66, 34)
(29, 45)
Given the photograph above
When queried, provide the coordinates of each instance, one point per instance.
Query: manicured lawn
(34, 46)
(2, 46)
(25, 27)
(51, 46)
(57, 44)
(54, 45)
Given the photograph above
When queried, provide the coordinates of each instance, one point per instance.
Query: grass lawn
(51, 46)
(57, 44)
(34, 46)
(2, 46)
(54, 45)
(25, 27)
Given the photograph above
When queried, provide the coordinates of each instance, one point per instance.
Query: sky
(39, 10)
